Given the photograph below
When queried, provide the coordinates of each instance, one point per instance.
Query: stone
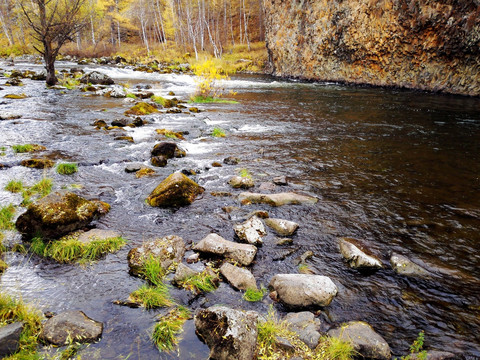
(251, 231)
(280, 180)
(144, 171)
(176, 190)
(355, 257)
(267, 186)
(239, 278)
(97, 234)
(166, 149)
(58, 214)
(404, 266)
(364, 340)
(306, 325)
(126, 138)
(117, 92)
(238, 182)
(215, 244)
(10, 338)
(133, 167)
(14, 82)
(279, 199)
(141, 108)
(282, 227)
(168, 250)
(193, 258)
(183, 272)
(216, 164)
(159, 161)
(69, 327)
(100, 124)
(434, 355)
(231, 160)
(229, 333)
(40, 76)
(38, 163)
(283, 241)
(97, 78)
(302, 290)
(120, 122)
(283, 344)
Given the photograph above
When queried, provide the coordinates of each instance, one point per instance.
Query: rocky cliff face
(421, 44)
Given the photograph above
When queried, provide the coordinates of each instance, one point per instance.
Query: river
(397, 170)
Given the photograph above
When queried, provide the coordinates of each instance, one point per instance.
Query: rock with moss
(238, 182)
(141, 108)
(303, 290)
(306, 325)
(251, 231)
(365, 341)
(215, 244)
(168, 149)
(239, 278)
(38, 163)
(357, 258)
(288, 198)
(167, 250)
(124, 138)
(176, 190)
(229, 333)
(159, 161)
(71, 326)
(404, 266)
(144, 171)
(58, 214)
(282, 227)
(97, 78)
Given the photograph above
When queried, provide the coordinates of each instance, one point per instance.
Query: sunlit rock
(215, 244)
(280, 199)
(355, 257)
(175, 190)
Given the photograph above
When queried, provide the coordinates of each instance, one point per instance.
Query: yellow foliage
(208, 78)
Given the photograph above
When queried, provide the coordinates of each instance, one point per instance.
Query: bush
(208, 78)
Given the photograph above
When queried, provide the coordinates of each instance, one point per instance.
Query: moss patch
(142, 108)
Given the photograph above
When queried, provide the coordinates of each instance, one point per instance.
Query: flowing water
(397, 170)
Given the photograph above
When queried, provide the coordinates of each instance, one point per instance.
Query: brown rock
(175, 190)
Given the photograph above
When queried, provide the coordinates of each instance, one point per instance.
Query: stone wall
(421, 44)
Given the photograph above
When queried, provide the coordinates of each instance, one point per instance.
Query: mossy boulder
(38, 163)
(58, 214)
(159, 161)
(144, 171)
(142, 108)
(15, 96)
(97, 78)
(168, 149)
(175, 190)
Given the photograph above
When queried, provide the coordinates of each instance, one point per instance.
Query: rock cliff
(421, 44)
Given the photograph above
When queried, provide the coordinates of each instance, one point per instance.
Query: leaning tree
(54, 22)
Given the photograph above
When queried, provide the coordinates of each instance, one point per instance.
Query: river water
(397, 170)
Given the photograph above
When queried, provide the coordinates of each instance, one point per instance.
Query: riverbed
(397, 170)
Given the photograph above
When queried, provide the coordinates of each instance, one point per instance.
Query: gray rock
(238, 182)
(193, 258)
(168, 250)
(303, 290)
(230, 334)
(96, 78)
(239, 278)
(282, 227)
(280, 180)
(280, 199)
(215, 244)
(404, 266)
(183, 272)
(435, 355)
(133, 167)
(251, 231)
(355, 257)
(97, 234)
(231, 160)
(284, 344)
(267, 186)
(9, 338)
(69, 327)
(306, 325)
(364, 340)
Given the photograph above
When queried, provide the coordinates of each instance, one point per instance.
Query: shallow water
(398, 170)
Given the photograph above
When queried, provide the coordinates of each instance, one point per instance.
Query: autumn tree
(53, 22)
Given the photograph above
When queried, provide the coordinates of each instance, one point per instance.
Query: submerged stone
(355, 257)
(215, 244)
(404, 266)
(175, 190)
(279, 199)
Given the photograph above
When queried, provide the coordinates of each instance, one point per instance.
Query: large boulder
(364, 340)
(168, 150)
(215, 244)
(10, 338)
(70, 327)
(167, 250)
(355, 257)
(303, 290)
(239, 278)
(175, 190)
(282, 227)
(288, 198)
(306, 325)
(97, 78)
(229, 333)
(404, 266)
(58, 214)
(251, 231)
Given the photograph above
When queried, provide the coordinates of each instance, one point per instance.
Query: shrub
(208, 78)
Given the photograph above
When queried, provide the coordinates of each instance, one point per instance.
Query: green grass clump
(43, 187)
(254, 295)
(12, 310)
(67, 168)
(206, 100)
(206, 281)
(152, 297)
(218, 132)
(153, 271)
(245, 173)
(131, 96)
(335, 348)
(6, 216)
(27, 148)
(165, 333)
(14, 186)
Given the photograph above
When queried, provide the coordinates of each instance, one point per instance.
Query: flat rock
(239, 278)
(282, 227)
(168, 250)
(251, 231)
(355, 257)
(98, 234)
(435, 355)
(303, 290)
(133, 167)
(9, 338)
(288, 198)
(58, 214)
(364, 340)
(306, 325)
(69, 327)
(238, 182)
(215, 244)
(404, 266)
(97, 78)
(183, 272)
(280, 180)
(229, 333)
(176, 190)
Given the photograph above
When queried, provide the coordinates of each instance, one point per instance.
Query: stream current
(397, 170)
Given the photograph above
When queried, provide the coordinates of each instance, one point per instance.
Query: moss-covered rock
(159, 161)
(175, 190)
(59, 214)
(145, 171)
(38, 163)
(126, 138)
(142, 108)
(15, 96)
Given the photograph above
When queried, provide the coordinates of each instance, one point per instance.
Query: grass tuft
(218, 132)
(6, 216)
(67, 168)
(206, 281)
(334, 348)
(14, 186)
(153, 271)
(165, 333)
(43, 187)
(27, 148)
(254, 295)
(152, 297)
(207, 100)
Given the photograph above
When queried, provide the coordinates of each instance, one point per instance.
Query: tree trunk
(50, 65)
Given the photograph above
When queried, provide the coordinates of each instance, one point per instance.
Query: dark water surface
(397, 170)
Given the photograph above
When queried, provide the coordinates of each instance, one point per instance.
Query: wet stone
(133, 167)
(282, 227)
(239, 278)
(238, 182)
(251, 231)
(231, 160)
(215, 244)
(158, 161)
(176, 190)
(306, 326)
(10, 338)
(404, 266)
(280, 180)
(355, 257)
